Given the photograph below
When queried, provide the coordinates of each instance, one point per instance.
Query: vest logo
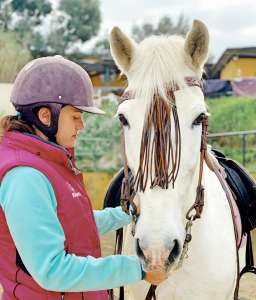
(76, 195)
(73, 192)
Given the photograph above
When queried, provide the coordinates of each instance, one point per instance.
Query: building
(104, 74)
(235, 63)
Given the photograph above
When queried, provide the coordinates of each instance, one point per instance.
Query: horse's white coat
(209, 272)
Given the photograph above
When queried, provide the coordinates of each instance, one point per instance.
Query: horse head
(161, 117)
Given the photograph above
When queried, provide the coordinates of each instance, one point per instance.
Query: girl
(49, 243)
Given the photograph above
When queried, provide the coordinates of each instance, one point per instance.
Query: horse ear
(122, 49)
(197, 44)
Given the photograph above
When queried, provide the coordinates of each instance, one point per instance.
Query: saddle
(244, 188)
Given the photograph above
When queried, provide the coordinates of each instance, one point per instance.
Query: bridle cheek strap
(199, 201)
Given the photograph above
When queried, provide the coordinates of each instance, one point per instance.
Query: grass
(234, 114)
(231, 114)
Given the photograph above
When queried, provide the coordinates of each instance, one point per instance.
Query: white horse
(210, 270)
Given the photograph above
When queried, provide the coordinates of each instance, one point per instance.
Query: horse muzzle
(158, 259)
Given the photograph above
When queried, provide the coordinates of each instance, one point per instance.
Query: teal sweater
(29, 204)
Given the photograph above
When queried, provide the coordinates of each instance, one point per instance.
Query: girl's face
(69, 125)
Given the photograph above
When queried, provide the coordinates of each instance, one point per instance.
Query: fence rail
(245, 147)
(243, 135)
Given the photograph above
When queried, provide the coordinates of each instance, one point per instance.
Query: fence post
(244, 148)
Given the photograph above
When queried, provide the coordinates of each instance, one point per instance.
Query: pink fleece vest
(73, 209)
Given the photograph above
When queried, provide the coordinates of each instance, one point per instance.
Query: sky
(231, 23)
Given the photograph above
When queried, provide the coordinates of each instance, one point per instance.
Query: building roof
(98, 66)
(228, 55)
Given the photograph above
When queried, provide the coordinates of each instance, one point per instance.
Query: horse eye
(198, 120)
(123, 120)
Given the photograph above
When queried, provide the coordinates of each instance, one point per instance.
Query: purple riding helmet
(51, 82)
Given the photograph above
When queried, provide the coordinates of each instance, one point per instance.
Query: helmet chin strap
(28, 114)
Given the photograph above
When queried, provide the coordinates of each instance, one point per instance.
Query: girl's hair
(13, 123)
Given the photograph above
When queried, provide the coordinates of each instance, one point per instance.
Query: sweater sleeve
(29, 204)
(110, 219)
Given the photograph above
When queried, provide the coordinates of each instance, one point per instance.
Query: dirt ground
(247, 289)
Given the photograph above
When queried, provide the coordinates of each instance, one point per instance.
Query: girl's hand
(155, 277)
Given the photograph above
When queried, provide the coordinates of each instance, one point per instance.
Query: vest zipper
(72, 167)
(83, 296)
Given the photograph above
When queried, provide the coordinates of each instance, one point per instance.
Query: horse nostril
(175, 251)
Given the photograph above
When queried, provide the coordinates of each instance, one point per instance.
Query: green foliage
(12, 56)
(32, 8)
(99, 145)
(58, 40)
(5, 15)
(165, 26)
(76, 21)
(24, 17)
(73, 21)
(102, 47)
(85, 18)
(232, 114)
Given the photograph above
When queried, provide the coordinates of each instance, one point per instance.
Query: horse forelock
(160, 149)
(159, 63)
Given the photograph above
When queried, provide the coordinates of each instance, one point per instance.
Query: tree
(5, 15)
(33, 10)
(78, 21)
(57, 40)
(85, 18)
(102, 47)
(24, 17)
(164, 26)
(72, 22)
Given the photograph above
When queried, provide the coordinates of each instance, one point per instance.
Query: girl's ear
(44, 115)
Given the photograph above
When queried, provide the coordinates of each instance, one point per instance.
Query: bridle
(128, 192)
